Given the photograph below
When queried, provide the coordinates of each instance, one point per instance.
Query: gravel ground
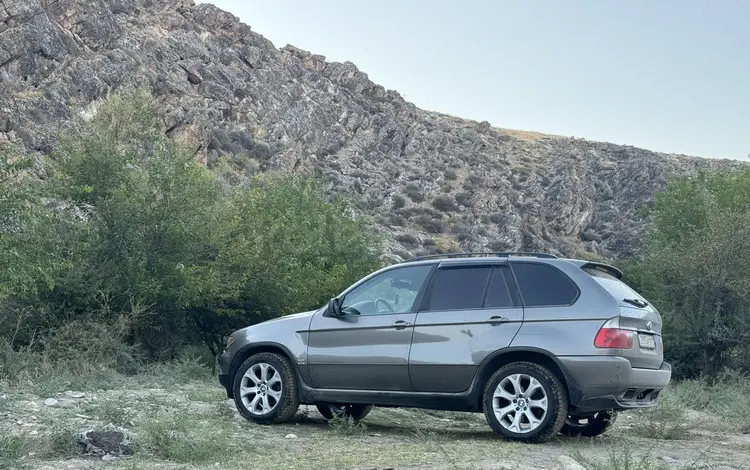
(191, 424)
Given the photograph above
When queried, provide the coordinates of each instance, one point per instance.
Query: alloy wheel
(520, 403)
(261, 388)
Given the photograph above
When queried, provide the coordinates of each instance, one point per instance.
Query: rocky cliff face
(431, 182)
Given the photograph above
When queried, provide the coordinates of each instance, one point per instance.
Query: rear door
(468, 313)
(637, 314)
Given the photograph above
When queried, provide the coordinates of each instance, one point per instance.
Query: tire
(516, 423)
(594, 426)
(355, 412)
(282, 405)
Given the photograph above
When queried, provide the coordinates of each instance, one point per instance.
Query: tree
(131, 222)
(696, 268)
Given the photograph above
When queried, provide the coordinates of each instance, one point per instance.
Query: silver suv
(541, 345)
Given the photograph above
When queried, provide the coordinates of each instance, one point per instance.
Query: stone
(221, 83)
(115, 442)
(51, 402)
(567, 463)
(77, 395)
(668, 459)
(290, 436)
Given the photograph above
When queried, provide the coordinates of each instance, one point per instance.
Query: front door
(468, 312)
(367, 348)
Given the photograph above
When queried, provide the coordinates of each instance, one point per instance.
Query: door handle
(496, 320)
(401, 324)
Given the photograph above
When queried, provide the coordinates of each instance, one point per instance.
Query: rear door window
(542, 285)
(458, 288)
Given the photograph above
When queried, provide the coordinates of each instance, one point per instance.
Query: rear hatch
(636, 313)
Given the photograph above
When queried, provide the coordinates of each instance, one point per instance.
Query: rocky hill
(431, 182)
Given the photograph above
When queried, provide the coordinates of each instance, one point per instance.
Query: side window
(393, 291)
(458, 288)
(498, 295)
(542, 285)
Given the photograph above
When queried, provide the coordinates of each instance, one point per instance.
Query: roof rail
(504, 254)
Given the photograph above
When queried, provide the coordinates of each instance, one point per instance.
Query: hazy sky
(667, 75)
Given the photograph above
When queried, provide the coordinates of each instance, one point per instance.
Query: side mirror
(334, 307)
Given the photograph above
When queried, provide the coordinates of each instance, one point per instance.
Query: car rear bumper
(602, 383)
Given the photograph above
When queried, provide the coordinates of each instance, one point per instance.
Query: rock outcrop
(430, 182)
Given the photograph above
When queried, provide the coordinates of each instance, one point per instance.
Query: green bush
(133, 246)
(696, 269)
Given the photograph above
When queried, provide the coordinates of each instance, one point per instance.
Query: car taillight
(614, 338)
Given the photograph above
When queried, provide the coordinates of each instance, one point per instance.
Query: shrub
(699, 248)
(667, 422)
(430, 224)
(414, 192)
(184, 439)
(346, 426)
(622, 459)
(497, 218)
(465, 199)
(444, 203)
(130, 219)
(408, 240)
(499, 246)
(398, 202)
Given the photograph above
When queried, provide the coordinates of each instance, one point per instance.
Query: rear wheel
(355, 412)
(524, 401)
(590, 426)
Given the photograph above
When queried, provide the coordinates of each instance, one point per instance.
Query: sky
(668, 75)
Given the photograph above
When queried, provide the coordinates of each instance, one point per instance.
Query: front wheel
(355, 412)
(524, 401)
(592, 426)
(265, 389)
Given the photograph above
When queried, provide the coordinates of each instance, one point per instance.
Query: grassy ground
(178, 417)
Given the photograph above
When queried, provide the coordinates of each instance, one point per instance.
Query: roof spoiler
(603, 267)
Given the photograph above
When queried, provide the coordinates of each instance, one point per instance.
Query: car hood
(290, 317)
(265, 330)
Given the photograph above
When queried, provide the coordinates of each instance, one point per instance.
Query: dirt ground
(193, 425)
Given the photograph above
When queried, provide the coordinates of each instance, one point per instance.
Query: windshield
(616, 288)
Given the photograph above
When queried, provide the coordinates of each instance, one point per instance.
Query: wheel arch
(526, 354)
(254, 348)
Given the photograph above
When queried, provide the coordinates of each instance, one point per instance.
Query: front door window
(393, 291)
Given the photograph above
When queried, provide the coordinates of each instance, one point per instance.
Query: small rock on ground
(290, 436)
(50, 402)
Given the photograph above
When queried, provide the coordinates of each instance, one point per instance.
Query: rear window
(542, 285)
(616, 288)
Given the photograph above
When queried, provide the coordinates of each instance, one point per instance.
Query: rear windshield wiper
(637, 302)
